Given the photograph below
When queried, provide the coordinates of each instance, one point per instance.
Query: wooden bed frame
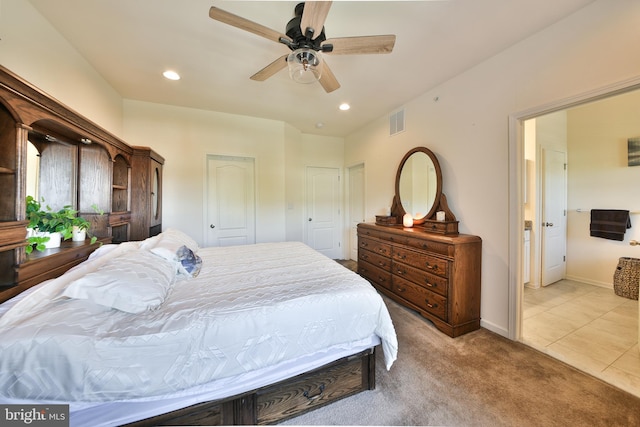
(280, 401)
(23, 108)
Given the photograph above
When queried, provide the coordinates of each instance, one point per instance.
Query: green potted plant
(80, 227)
(47, 228)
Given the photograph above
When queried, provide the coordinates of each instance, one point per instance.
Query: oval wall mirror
(419, 184)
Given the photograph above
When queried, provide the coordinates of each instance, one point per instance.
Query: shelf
(6, 171)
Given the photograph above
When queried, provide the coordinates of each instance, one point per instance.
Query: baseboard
(494, 328)
(590, 282)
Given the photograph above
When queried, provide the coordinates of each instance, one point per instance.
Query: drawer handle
(364, 244)
(315, 396)
(364, 257)
(431, 285)
(400, 272)
(431, 267)
(429, 304)
(381, 279)
(399, 289)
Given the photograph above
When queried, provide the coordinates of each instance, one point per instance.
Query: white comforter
(250, 307)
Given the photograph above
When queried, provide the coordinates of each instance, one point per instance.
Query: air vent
(396, 122)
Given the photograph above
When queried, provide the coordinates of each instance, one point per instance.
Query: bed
(161, 331)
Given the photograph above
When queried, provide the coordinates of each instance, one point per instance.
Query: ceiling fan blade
(328, 79)
(313, 16)
(362, 45)
(270, 69)
(245, 24)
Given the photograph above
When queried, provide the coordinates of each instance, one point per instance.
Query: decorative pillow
(190, 263)
(133, 282)
(170, 241)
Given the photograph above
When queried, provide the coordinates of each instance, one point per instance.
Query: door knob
(634, 243)
(212, 226)
(310, 219)
(548, 224)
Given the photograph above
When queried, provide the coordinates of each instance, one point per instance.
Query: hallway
(588, 327)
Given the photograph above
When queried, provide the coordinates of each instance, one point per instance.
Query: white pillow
(133, 282)
(170, 241)
(149, 242)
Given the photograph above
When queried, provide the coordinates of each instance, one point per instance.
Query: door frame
(347, 205)
(516, 188)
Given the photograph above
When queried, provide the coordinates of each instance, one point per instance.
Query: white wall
(31, 48)
(599, 178)
(303, 150)
(467, 128)
(185, 136)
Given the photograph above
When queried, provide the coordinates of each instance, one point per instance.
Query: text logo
(34, 415)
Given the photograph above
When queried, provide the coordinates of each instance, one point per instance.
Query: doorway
(356, 207)
(545, 204)
(597, 176)
(230, 201)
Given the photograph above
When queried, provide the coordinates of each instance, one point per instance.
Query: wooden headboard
(80, 164)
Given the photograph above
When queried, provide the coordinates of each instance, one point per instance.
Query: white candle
(407, 220)
(440, 215)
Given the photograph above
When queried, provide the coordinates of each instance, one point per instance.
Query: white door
(230, 204)
(554, 216)
(323, 211)
(356, 207)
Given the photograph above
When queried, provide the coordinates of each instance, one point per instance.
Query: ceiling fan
(305, 36)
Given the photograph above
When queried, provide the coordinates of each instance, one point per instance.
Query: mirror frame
(399, 210)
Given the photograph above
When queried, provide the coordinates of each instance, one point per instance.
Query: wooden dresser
(435, 274)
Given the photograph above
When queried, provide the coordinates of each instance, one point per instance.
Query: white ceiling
(131, 42)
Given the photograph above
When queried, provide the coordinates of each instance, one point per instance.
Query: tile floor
(588, 327)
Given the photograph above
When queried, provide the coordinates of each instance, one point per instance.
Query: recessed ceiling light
(344, 106)
(319, 125)
(171, 75)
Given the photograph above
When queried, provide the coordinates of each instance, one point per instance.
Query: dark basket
(627, 277)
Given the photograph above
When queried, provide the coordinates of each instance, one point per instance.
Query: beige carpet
(479, 379)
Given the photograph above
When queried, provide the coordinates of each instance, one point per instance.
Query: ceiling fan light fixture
(305, 65)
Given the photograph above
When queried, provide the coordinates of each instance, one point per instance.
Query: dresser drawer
(383, 262)
(374, 246)
(421, 260)
(374, 274)
(316, 389)
(429, 245)
(421, 297)
(370, 232)
(420, 277)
